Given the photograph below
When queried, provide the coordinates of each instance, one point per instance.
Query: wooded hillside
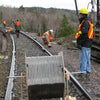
(39, 20)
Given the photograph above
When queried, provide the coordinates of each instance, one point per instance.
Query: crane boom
(76, 8)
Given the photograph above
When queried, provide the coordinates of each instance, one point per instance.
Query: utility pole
(76, 8)
(92, 12)
(98, 14)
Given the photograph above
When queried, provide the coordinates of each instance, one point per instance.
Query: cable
(95, 2)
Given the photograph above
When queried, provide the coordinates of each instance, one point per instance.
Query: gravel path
(71, 58)
(5, 64)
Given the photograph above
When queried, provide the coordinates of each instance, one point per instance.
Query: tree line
(39, 20)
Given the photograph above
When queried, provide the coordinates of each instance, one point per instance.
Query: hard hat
(83, 11)
(51, 31)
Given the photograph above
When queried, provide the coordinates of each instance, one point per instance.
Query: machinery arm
(76, 8)
(98, 13)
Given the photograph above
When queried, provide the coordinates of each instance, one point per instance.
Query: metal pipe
(16, 76)
(78, 72)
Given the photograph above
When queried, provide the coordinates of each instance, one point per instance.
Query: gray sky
(65, 4)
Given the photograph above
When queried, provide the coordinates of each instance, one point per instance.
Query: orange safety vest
(90, 32)
(45, 33)
(18, 23)
(49, 35)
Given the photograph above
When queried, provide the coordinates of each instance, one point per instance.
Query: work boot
(88, 75)
(49, 44)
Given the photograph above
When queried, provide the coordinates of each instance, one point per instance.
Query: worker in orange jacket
(17, 26)
(84, 38)
(48, 37)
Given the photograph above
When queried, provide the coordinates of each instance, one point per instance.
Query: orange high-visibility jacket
(90, 32)
(17, 23)
(49, 35)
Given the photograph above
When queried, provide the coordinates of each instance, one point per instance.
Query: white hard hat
(51, 31)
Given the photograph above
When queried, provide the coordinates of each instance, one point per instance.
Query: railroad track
(96, 53)
(30, 47)
(96, 46)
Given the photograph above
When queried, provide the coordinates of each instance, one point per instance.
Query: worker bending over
(48, 37)
(10, 31)
(84, 38)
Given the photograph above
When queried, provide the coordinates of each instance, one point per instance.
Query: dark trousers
(17, 33)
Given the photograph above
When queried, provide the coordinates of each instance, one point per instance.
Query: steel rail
(95, 57)
(8, 95)
(39, 45)
(73, 79)
(96, 47)
(80, 86)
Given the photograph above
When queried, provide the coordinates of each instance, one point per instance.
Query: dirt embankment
(5, 64)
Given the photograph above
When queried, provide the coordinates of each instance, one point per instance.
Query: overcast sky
(65, 4)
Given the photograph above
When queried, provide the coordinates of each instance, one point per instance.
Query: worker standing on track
(84, 38)
(4, 23)
(48, 37)
(17, 27)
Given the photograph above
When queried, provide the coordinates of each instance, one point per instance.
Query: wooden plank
(26, 76)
